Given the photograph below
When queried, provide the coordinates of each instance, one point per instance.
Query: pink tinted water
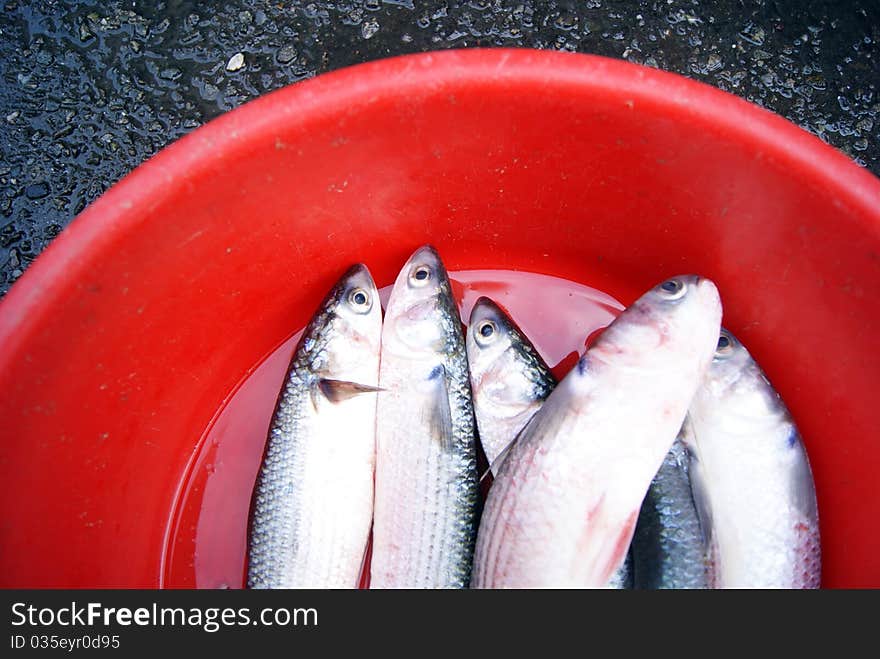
(207, 535)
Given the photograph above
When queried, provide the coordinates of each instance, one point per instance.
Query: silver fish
(427, 496)
(751, 478)
(562, 509)
(313, 501)
(510, 381)
(668, 547)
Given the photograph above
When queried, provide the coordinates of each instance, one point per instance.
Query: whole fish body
(563, 507)
(751, 478)
(668, 548)
(510, 381)
(313, 501)
(426, 503)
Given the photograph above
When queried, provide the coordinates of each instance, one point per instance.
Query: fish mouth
(708, 290)
(484, 309)
(425, 254)
(699, 286)
(358, 269)
(359, 275)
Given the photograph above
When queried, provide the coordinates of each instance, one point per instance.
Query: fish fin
(801, 484)
(440, 420)
(496, 463)
(338, 390)
(485, 474)
(700, 494)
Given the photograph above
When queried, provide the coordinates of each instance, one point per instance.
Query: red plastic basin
(121, 342)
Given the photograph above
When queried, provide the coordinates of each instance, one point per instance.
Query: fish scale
(668, 547)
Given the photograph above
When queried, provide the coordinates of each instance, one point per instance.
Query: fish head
(353, 320)
(505, 367)
(421, 310)
(489, 337)
(677, 317)
(729, 363)
(735, 382)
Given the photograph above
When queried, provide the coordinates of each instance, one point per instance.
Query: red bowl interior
(124, 339)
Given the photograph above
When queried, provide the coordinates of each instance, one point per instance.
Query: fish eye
(725, 345)
(672, 289)
(420, 275)
(360, 300)
(486, 332)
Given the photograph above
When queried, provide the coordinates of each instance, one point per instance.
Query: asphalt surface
(89, 90)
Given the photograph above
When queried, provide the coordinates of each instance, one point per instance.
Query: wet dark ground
(89, 90)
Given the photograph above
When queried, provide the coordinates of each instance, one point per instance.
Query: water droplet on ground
(37, 190)
(369, 28)
(286, 54)
(235, 62)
